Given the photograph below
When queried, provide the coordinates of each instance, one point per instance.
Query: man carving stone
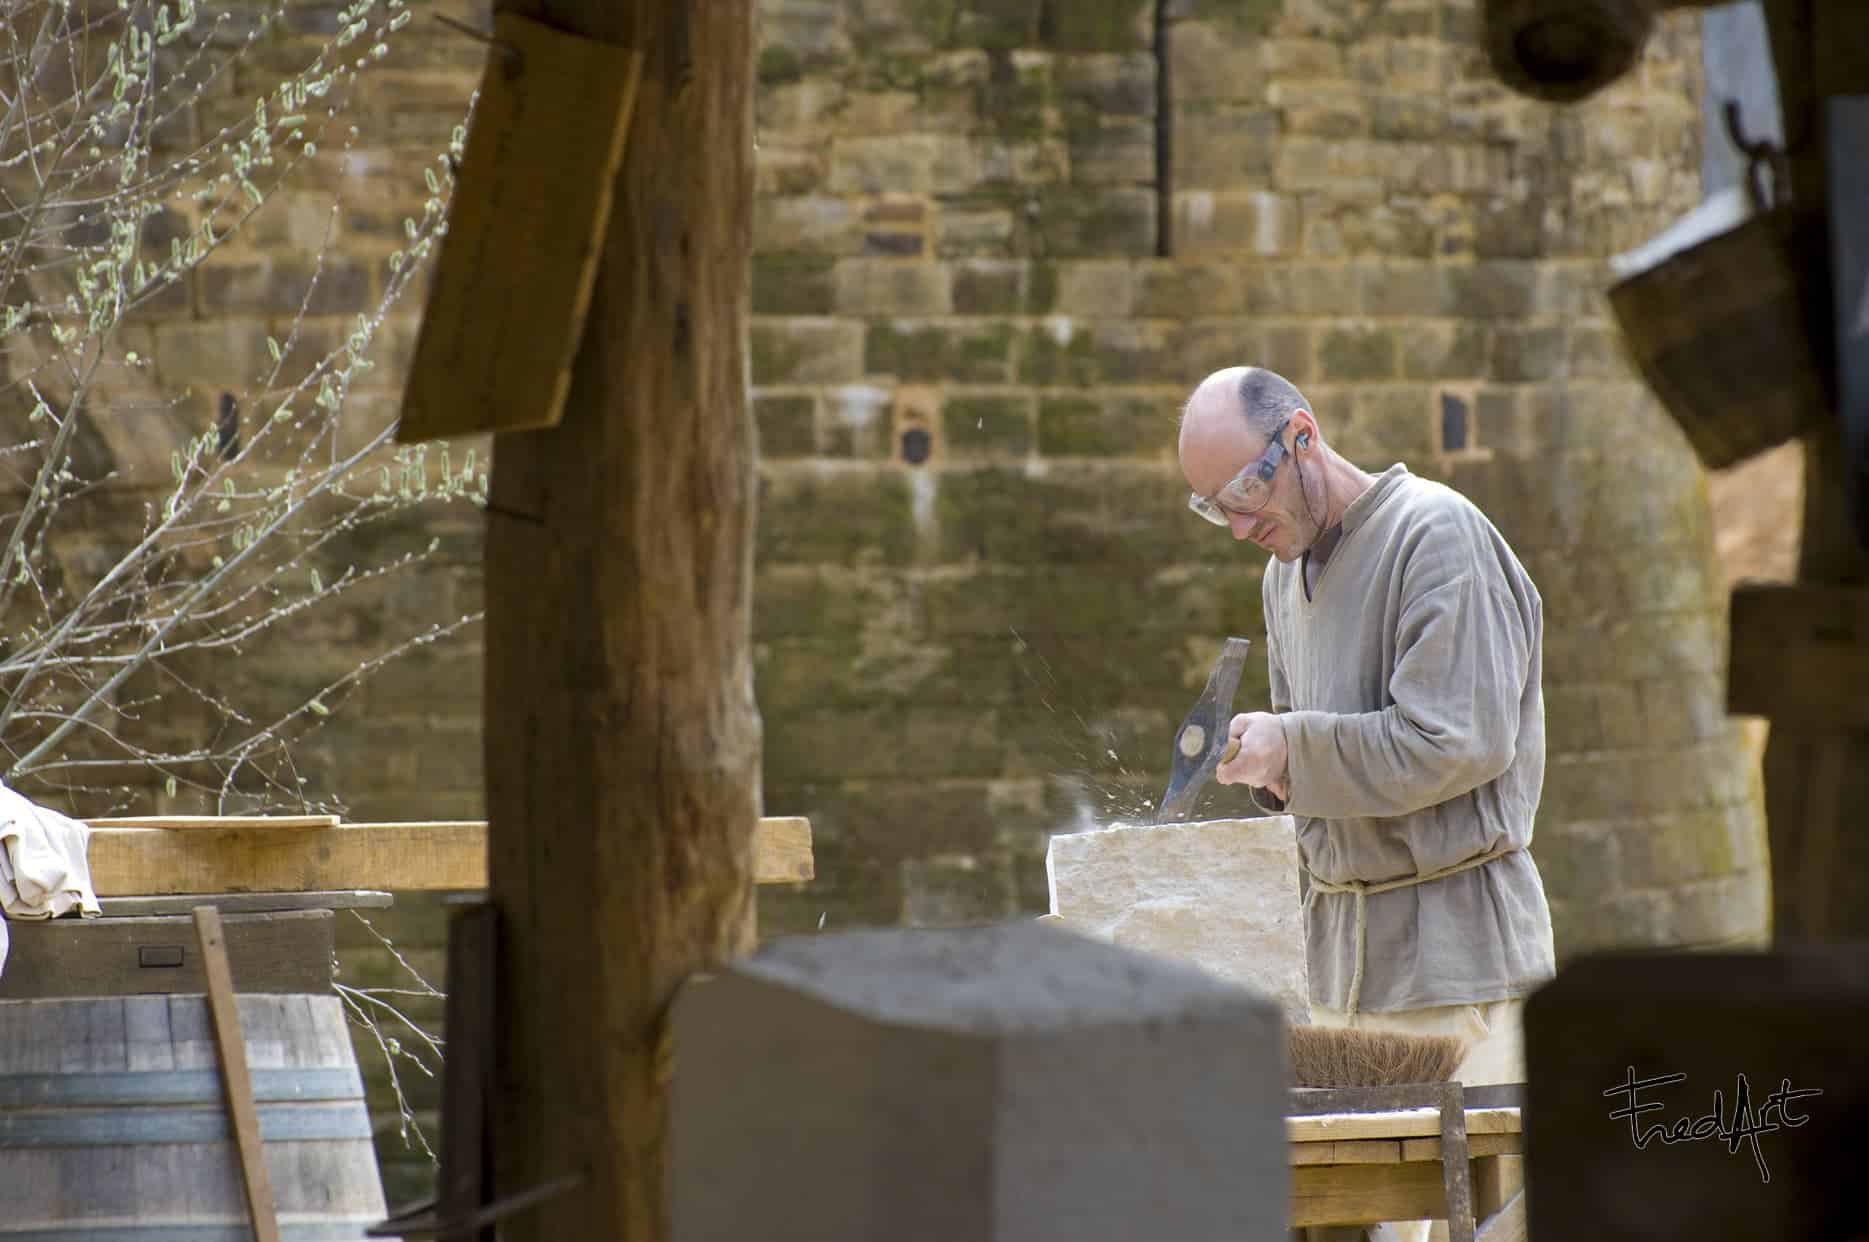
(1406, 731)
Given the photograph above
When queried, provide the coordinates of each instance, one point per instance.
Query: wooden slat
(244, 903)
(1350, 1151)
(1401, 1124)
(1350, 1194)
(1800, 654)
(514, 279)
(215, 821)
(394, 857)
(782, 850)
(239, 1083)
(1365, 1194)
(1477, 1145)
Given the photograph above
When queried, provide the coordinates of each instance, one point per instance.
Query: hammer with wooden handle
(1201, 743)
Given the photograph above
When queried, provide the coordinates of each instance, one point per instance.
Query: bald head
(1232, 415)
(1264, 398)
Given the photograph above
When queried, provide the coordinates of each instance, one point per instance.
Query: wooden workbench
(1364, 1168)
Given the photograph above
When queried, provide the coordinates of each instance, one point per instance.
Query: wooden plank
(1477, 1145)
(1800, 654)
(1350, 1151)
(215, 821)
(244, 903)
(1402, 1124)
(782, 850)
(1367, 1193)
(233, 1057)
(394, 857)
(1357, 1194)
(531, 206)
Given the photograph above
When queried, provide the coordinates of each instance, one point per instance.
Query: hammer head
(1202, 737)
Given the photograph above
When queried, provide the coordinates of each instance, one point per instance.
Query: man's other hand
(1262, 759)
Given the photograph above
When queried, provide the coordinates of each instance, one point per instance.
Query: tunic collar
(1372, 498)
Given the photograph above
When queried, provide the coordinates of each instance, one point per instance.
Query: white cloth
(43, 868)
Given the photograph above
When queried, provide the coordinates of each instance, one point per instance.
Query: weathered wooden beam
(1847, 136)
(1799, 654)
(1813, 769)
(622, 736)
(395, 857)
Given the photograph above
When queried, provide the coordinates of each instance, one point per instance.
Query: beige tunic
(1409, 690)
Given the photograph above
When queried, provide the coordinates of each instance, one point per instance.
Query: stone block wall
(998, 241)
(993, 255)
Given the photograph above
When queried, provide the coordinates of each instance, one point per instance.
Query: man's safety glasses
(1249, 489)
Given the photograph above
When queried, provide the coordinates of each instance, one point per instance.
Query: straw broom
(1326, 1056)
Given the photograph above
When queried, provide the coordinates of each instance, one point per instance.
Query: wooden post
(622, 739)
(1820, 874)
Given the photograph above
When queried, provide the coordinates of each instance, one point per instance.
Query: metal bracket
(1761, 154)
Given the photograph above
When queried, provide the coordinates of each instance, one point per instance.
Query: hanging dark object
(227, 428)
(1730, 333)
(1564, 50)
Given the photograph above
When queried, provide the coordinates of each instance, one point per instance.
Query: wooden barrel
(114, 1125)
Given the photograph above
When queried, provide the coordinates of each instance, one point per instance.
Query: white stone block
(975, 1085)
(1221, 893)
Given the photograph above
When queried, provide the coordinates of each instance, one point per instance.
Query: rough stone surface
(1222, 894)
(921, 1085)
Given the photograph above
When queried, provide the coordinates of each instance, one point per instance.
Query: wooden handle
(1232, 750)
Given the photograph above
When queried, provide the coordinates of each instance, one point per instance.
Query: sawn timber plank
(1401, 1124)
(402, 857)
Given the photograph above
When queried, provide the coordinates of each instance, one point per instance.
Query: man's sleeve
(1280, 687)
(1462, 656)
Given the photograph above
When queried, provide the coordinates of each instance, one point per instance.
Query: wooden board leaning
(514, 277)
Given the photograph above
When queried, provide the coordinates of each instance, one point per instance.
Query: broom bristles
(1353, 1057)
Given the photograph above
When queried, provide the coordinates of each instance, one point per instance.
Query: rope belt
(1363, 889)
